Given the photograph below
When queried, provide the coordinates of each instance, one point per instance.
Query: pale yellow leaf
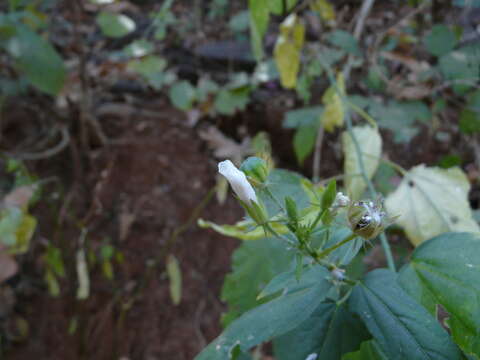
(334, 113)
(370, 144)
(175, 276)
(287, 50)
(324, 8)
(431, 201)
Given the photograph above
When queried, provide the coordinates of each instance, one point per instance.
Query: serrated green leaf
(402, 328)
(369, 350)
(37, 59)
(175, 276)
(288, 283)
(267, 321)
(329, 332)
(115, 25)
(288, 50)
(370, 144)
(431, 201)
(254, 264)
(445, 270)
(441, 40)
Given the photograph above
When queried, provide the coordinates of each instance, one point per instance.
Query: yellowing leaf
(325, 9)
(431, 201)
(175, 276)
(287, 50)
(334, 113)
(370, 144)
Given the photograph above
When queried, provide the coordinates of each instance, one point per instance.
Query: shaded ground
(159, 177)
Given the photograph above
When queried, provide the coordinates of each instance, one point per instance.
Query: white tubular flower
(238, 181)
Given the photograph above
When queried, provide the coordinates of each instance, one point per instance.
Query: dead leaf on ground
(19, 197)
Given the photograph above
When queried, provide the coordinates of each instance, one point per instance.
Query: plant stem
(317, 155)
(336, 246)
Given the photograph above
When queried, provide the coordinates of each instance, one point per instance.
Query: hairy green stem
(336, 246)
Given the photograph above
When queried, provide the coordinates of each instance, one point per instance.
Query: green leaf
(115, 25)
(254, 264)
(329, 194)
(288, 50)
(227, 102)
(37, 59)
(402, 328)
(329, 332)
(445, 270)
(469, 122)
(344, 254)
(276, 6)
(11, 219)
(307, 116)
(259, 18)
(288, 283)
(441, 40)
(345, 41)
(148, 65)
(175, 276)
(461, 65)
(243, 230)
(139, 48)
(55, 261)
(304, 142)
(369, 350)
(267, 321)
(182, 95)
(370, 144)
(431, 201)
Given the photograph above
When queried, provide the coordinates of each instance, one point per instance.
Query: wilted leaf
(288, 50)
(115, 25)
(224, 147)
(431, 201)
(370, 144)
(334, 113)
(175, 276)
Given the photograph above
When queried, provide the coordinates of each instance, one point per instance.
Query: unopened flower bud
(256, 168)
(341, 200)
(366, 219)
(238, 181)
(338, 274)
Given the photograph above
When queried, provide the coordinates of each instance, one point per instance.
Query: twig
(47, 153)
(357, 32)
(317, 155)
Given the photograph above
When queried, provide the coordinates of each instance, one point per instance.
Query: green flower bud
(255, 168)
(366, 219)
